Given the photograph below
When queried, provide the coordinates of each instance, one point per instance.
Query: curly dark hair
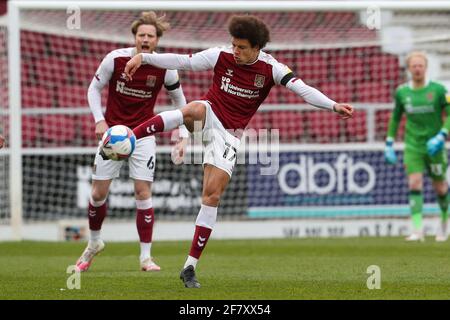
(251, 28)
(150, 17)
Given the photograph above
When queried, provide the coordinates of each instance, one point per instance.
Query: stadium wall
(77, 230)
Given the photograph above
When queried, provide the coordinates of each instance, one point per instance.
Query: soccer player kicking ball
(128, 102)
(2, 141)
(243, 77)
(423, 103)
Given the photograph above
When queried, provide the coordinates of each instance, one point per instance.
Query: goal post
(319, 49)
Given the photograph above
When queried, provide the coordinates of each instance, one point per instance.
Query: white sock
(145, 250)
(172, 119)
(191, 261)
(444, 227)
(95, 235)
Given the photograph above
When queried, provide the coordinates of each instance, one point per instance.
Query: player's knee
(142, 194)
(191, 113)
(415, 183)
(98, 195)
(142, 190)
(441, 188)
(211, 198)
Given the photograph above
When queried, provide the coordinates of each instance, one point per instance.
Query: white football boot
(441, 234)
(416, 236)
(93, 248)
(149, 265)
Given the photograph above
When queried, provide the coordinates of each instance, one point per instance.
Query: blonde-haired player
(423, 102)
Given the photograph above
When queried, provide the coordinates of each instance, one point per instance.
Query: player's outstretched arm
(345, 110)
(316, 98)
(203, 60)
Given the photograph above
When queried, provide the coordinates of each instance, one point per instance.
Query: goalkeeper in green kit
(423, 102)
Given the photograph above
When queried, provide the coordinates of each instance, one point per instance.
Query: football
(118, 143)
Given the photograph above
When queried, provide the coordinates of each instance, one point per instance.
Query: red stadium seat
(356, 127)
(289, 124)
(52, 70)
(323, 126)
(27, 72)
(32, 43)
(312, 67)
(65, 46)
(324, 34)
(383, 67)
(340, 19)
(99, 49)
(58, 129)
(348, 68)
(339, 92)
(72, 96)
(31, 126)
(87, 125)
(376, 92)
(36, 97)
(84, 69)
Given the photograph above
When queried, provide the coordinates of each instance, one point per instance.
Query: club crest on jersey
(151, 81)
(259, 81)
(430, 96)
(123, 76)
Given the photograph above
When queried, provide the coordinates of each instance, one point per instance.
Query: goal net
(325, 167)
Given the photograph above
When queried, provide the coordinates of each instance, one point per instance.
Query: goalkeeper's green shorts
(418, 162)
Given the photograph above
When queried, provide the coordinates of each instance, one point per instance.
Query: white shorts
(142, 162)
(219, 146)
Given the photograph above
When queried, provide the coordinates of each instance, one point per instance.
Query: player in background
(243, 77)
(129, 102)
(423, 102)
(2, 141)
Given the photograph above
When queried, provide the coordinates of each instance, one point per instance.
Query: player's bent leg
(214, 183)
(169, 120)
(194, 114)
(145, 218)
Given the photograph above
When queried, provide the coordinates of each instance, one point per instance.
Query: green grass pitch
(296, 269)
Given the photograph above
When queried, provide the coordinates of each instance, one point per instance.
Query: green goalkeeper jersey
(424, 109)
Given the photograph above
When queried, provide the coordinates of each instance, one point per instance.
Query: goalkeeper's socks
(443, 204)
(165, 121)
(96, 215)
(416, 205)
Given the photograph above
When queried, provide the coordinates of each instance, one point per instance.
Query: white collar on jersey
(425, 84)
